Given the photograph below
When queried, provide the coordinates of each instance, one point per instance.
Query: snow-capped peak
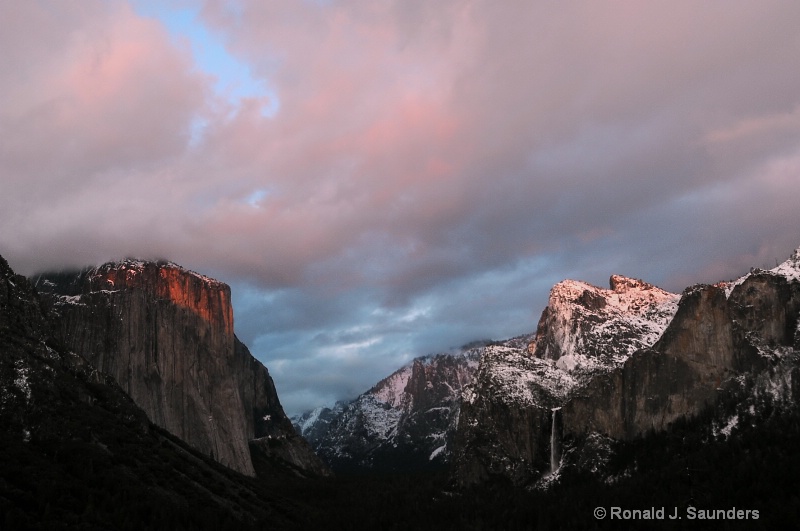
(304, 423)
(381, 427)
(584, 323)
(790, 268)
(625, 295)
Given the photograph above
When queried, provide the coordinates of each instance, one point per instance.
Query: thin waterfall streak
(555, 458)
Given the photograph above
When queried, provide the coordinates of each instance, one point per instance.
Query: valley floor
(757, 469)
(688, 472)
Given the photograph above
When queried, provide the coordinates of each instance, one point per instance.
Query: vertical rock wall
(166, 336)
(632, 366)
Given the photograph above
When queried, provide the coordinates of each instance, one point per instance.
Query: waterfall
(555, 443)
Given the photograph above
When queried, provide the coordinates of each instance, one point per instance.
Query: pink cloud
(112, 94)
(478, 128)
(437, 152)
(93, 119)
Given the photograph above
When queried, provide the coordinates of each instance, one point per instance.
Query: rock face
(273, 442)
(584, 327)
(77, 451)
(405, 422)
(585, 332)
(33, 369)
(617, 363)
(165, 334)
(678, 376)
(716, 336)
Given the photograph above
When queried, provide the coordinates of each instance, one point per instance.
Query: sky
(383, 179)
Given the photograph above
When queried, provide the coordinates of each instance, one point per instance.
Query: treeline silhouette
(154, 481)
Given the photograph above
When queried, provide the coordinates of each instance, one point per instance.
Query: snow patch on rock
(21, 381)
(790, 268)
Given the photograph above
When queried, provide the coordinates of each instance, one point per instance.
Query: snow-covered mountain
(585, 327)
(406, 421)
(615, 363)
(603, 365)
(583, 331)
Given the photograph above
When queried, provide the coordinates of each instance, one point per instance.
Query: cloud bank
(426, 170)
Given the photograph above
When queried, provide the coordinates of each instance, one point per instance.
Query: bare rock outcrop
(165, 334)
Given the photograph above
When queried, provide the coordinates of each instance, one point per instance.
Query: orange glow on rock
(207, 298)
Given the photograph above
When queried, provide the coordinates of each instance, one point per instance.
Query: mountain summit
(165, 334)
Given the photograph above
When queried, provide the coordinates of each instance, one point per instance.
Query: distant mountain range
(405, 422)
(604, 365)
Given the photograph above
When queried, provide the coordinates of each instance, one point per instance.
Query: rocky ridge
(614, 364)
(406, 421)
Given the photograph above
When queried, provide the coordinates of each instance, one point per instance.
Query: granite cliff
(77, 452)
(165, 334)
(615, 364)
(508, 413)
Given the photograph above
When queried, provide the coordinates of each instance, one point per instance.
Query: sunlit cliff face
(207, 298)
(165, 334)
